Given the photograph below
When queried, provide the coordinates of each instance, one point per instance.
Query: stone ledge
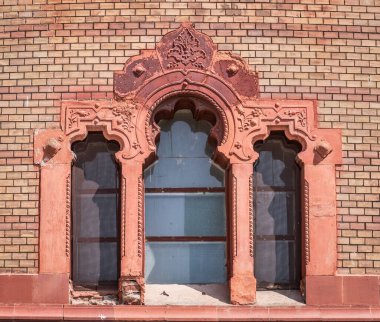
(186, 313)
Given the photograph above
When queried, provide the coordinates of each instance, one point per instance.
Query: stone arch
(187, 63)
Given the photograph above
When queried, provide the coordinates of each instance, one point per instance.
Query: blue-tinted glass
(184, 161)
(185, 214)
(185, 263)
(184, 156)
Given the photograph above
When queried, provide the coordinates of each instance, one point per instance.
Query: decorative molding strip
(307, 242)
(140, 216)
(68, 214)
(234, 215)
(251, 217)
(123, 214)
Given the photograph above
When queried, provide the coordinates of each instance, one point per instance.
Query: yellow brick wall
(327, 50)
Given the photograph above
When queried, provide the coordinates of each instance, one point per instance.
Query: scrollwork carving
(75, 115)
(125, 112)
(248, 120)
(186, 51)
(300, 115)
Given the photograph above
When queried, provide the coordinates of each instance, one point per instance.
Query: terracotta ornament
(186, 70)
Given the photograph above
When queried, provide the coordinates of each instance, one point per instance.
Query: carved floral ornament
(224, 91)
(186, 51)
(186, 63)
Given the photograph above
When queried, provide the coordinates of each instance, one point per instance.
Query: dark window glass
(277, 237)
(95, 213)
(185, 207)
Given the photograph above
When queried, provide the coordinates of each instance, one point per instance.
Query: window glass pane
(183, 172)
(275, 261)
(277, 246)
(95, 165)
(184, 161)
(97, 215)
(185, 214)
(276, 165)
(274, 215)
(184, 156)
(185, 263)
(98, 262)
(95, 206)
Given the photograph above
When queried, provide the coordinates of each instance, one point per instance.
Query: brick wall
(327, 50)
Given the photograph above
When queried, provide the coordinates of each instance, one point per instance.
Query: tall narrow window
(277, 190)
(185, 207)
(95, 213)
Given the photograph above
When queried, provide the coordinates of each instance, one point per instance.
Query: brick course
(328, 50)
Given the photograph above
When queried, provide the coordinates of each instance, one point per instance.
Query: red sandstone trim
(217, 84)
(186, 313)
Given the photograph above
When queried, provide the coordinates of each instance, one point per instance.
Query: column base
(243, 289)
(131, 290)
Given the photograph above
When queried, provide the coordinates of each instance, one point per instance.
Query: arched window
(185, 207)
(277, 199)
(95, 213)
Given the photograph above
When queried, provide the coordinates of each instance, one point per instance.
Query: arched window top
(96, 157)
(182, 164)
(277, 160)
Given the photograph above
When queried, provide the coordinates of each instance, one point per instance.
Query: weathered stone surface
(219, 88)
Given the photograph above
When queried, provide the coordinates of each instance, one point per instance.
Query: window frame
(188, 190)
(297, 208)
(101, 285)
